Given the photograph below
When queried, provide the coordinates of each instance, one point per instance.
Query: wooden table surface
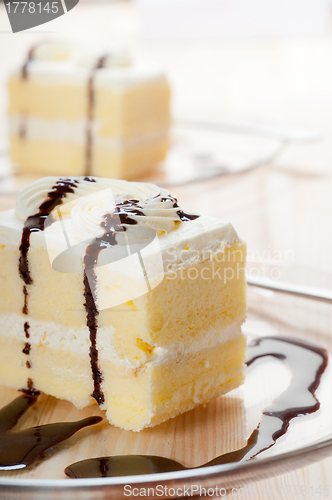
(282, 209)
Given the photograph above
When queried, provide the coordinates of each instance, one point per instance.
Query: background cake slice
(78, 110)
(167, 349)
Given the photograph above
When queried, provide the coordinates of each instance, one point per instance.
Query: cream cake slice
(110, 293)
(80, 110)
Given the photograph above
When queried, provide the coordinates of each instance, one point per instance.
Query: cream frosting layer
(69, 131)
(91, 201)
(77, 342)
(81, 54)
(206, 236)
(79, 219)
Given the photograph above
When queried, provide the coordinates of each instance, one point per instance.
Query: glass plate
(201, 434)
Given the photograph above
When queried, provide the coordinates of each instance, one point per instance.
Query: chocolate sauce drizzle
(26, 330)
(24, 77)
(25, 302)
(30, 391)
(28, 61)
(22, 448)
(307, 363)
(182, 215)
(35, 223)
(27, 346)
(186, 217)
(111, 224)
(90, 106)
(22, 133)
(26, 349)
(90, 114)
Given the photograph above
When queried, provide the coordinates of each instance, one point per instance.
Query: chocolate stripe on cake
(24, 75)
(111, 224)
(26, 330)
(27, 346)
(35, 223)
(27, 62)
(90, 114)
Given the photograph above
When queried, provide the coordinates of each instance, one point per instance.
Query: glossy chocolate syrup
(112, 224)
(26, 330)
(90, 114)
(22, 448)
(27, 346)
(307, 363)
(90, 106)
(30, 391)
(34, 224)
(27, 62)
(182, 215)
(186, 217)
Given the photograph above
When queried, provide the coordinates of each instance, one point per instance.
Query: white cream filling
(66, 131)
(77, 341)
(213, 338)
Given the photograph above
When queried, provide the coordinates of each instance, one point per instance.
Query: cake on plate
(82, 110)
(111, 293)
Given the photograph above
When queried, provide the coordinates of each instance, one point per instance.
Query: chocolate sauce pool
(306, 362)
(27, 62)
(22, 448)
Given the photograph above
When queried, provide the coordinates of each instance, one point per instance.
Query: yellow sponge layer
(56, 158)
(133, 111)
(183, 307)
(134, 398)
(187, 303)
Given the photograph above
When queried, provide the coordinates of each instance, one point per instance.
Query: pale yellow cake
(149, 331)
(79, 110)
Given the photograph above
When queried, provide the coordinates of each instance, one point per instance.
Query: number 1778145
(32, 7)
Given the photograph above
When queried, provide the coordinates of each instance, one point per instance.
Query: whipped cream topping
(79, 54)
(72, 62)
(93, 198)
